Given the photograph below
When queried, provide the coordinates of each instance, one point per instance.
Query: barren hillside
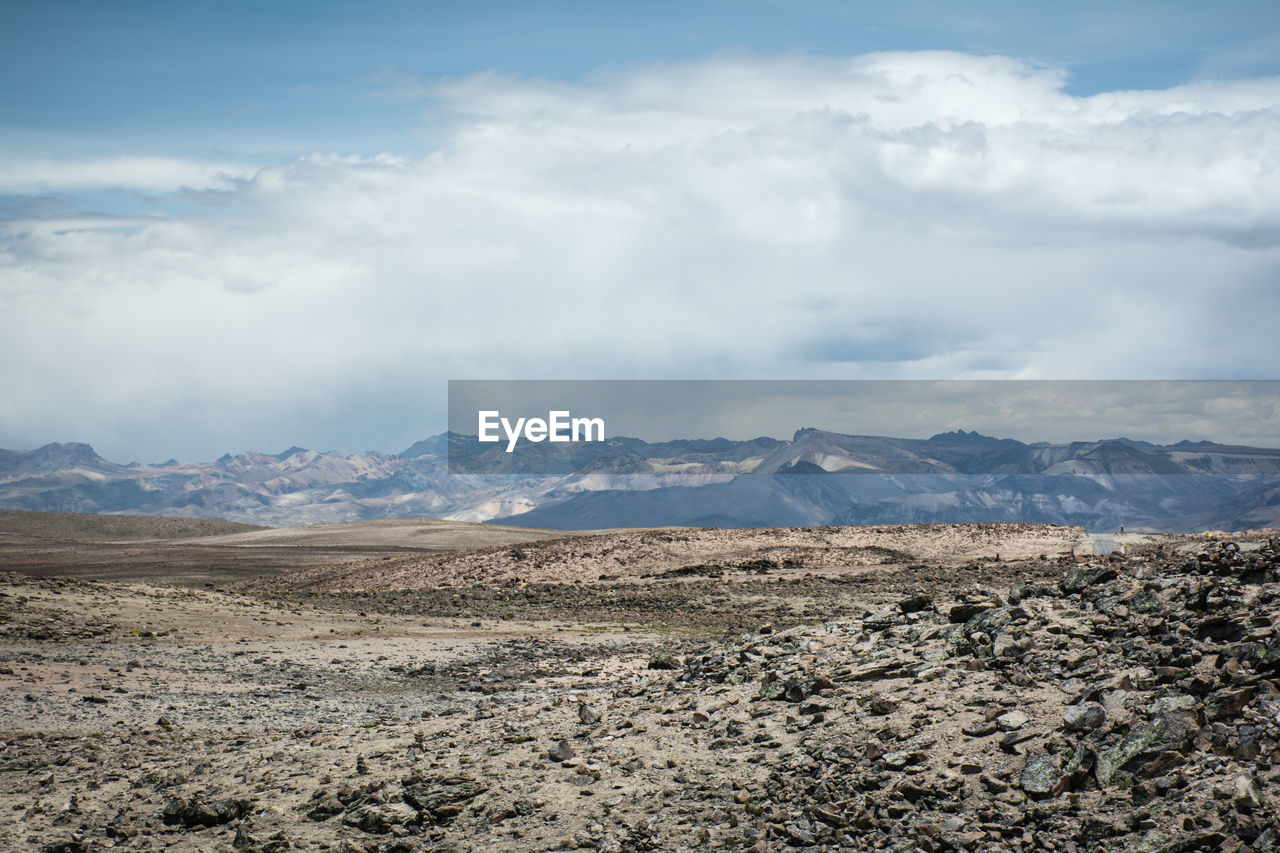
(675, 552)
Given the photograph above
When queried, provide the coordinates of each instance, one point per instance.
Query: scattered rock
(916, 603)
(1143, 742)
(1012, 721)
(561, 752)
(587, 715)
(1077, 580)
(665, 660)
(1084, 718)
(1130, 704)
(1040, 775)
(201, 810)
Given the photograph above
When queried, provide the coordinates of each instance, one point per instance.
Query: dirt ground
(714, 690)
(198, 552)
(628, 556)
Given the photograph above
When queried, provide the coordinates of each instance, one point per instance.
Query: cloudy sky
(1053, 410)
(243, 225)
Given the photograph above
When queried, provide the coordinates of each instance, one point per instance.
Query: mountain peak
(70, 447)
(810, 431)
(50, 457)
(67, 453)
(436, 445)
(960, 436)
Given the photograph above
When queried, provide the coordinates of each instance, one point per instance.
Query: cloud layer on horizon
(892, 215)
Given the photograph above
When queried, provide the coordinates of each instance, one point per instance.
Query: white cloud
(30, 175)
(913, 214)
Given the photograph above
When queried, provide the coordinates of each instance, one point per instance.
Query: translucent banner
(728, 428)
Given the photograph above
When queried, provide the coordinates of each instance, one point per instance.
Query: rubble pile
(1133, 706)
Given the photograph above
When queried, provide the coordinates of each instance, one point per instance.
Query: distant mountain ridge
(816, 477)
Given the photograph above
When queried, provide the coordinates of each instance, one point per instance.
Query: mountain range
(815, 478)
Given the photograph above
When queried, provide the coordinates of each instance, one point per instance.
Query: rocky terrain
(1022, 696)
(626, 556)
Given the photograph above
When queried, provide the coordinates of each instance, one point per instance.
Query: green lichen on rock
(1145, 741)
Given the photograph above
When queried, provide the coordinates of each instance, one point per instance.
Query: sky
(243, 225)
(1241, 412)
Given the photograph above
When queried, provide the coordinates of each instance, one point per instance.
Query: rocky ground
(662, 553)
(1033, 700)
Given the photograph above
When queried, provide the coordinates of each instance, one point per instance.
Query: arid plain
(410, 685)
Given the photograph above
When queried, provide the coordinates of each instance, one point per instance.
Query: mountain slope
(816, 477)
